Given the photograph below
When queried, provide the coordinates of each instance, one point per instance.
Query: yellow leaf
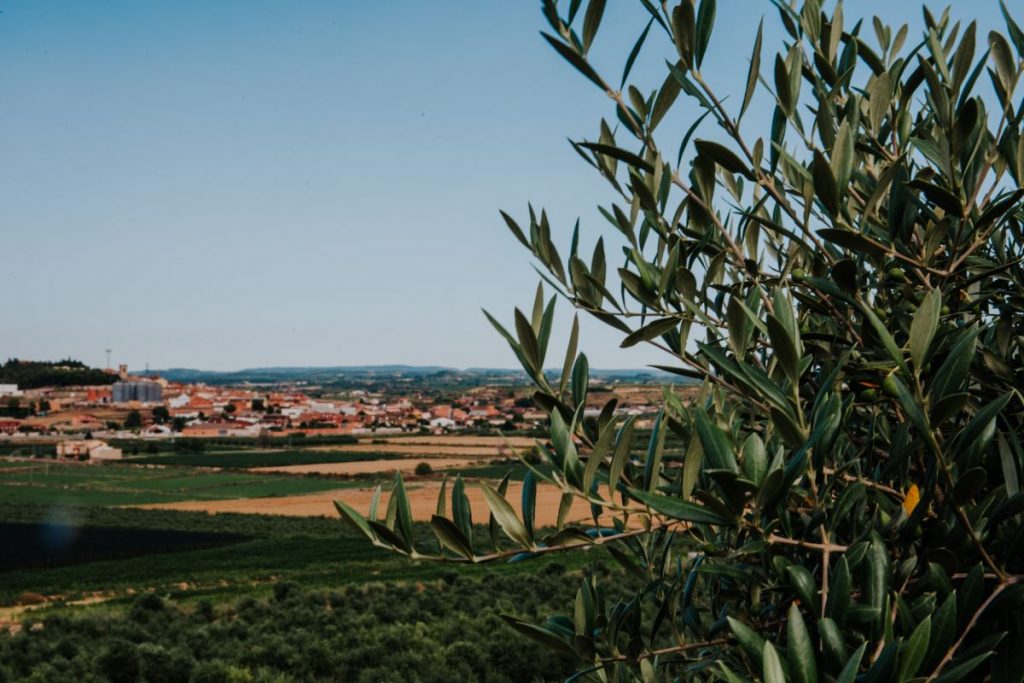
(912, 498)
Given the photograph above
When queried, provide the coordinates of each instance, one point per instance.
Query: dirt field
(422, 500)
(372, 466)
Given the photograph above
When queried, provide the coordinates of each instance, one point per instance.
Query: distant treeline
(31, 374)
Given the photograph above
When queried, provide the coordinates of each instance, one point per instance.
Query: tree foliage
(133, 420)
(847, 283)
(34, 374)
(369, 633)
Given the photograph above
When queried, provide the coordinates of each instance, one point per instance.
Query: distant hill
(345, 374)
(32, 374)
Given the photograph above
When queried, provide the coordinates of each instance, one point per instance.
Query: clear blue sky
(236, 183)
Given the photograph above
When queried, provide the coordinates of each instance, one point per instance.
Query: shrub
(158, 664)
(118, 662)
(147, 605)
(189, 445)
(30, 598)
(283, 590)
(423, 469)
(532, 457)
(847, 285)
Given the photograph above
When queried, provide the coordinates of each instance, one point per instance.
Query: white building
(157, 432)
(10, 390)
(179, 401)
(91, 449)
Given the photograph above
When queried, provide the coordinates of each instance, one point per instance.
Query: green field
(296, 599)
(28, 450)
(145, 595)
(68, 484)
(311, 551)
(246, 459)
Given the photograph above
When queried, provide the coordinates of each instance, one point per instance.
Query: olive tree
(845, 281)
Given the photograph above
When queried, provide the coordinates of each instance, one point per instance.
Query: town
(80, 418)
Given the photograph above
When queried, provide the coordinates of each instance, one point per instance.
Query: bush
(158, 664)
(284, 589)
(30, 598)
(189, 445)
(423, 469)
(118, 662)
(146, 605)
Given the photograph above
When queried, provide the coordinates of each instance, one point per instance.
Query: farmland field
(116, 484)
(245, 459)
(393, 464)
(288, 599)
(59, 540)
(422, 501)
(285, 584)
(421, 450)
(156, 554)
(456, 440)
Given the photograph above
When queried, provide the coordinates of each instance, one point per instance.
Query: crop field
(420, 450)
(363, 623)
(281, 481)
(422, 502)
(55, 542)
(70, 484)
(242, 555)
(441, 441)
(27, 450)
(182, 553)
(376, 466)
(246, 459)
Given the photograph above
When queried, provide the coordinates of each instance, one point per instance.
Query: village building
(87, 449)
(7, 390)
(9, 426)
(212, 429)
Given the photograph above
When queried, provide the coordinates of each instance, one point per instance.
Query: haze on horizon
(251, 183)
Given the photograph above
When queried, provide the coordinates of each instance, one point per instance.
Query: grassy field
(28, 450)
(247, 459)
(310, 551)
(91, 591)
(48, 483)
(288, 599)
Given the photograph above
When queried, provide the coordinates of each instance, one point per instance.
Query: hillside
(29, 374)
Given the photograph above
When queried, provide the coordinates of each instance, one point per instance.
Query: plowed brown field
(422, 501)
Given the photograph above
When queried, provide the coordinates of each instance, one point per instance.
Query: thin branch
(1003, 585)
(829, 547)
(668, 650)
